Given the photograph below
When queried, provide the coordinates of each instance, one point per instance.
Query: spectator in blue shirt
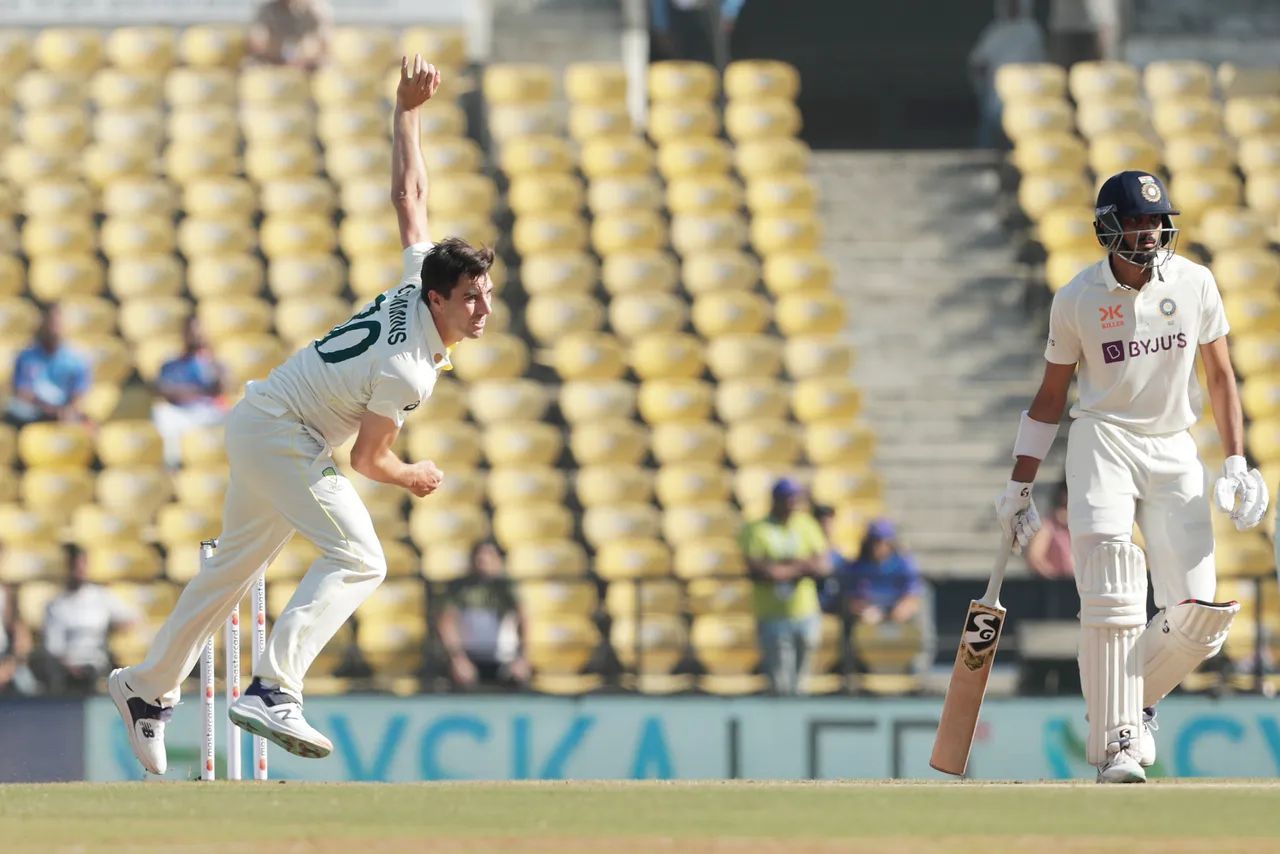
(191, 386)
(688, 29)
(883, 583)
(49, 377)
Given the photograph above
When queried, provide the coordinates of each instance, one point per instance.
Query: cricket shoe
(277, 715)
(144, 721)
(1123, 763)
(1147, 740)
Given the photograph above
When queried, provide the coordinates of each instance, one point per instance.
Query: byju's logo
(1112, 352)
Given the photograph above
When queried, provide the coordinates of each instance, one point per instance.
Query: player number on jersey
(358, 322)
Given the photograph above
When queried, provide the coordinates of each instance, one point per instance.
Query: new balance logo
(286, 714)
(148, 731)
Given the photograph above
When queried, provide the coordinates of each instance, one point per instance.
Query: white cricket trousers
(278, 485)
(1116, 477)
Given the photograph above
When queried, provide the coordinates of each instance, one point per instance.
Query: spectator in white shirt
(1014, 36)
(76, 627)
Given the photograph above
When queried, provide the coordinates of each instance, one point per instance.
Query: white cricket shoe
(277, 715)
(1147, 740)
(1123, 764)
(144, 721)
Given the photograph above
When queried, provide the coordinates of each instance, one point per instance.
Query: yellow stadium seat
(655, 645)
(249, 356)
(837, 485)
(1022, 119)
(15, 52)
(445, 561)
(616, 156)
(633, 558)
(73, 50)
(538, 522)
(1237, 81)
(546, 559)
(635, 231)
(1226, 230)
(1116, 152)
(24, 164)
(56, 129)
(95, 524)
(692, 483)
(348, 122)
(224, 275)
(673, 80)
(778, 193)
(721, 313)
(559, 274)
(629, 600)
(751, 397)
(12, 276)
(588, 356)
(495, 356)
(1252, 310)
(838, 443)
(761, 78)
(110, 360)
(56, 236)
(1182, 116)
(139, 196)
(704, 563)
(611, 441)
(214, 125)
(812, 357)
(119, 89)
(588, 121)
(234, 315)
(1040, 152)
(1199, 152)
(129, 443)
(146, 318)
(809, 314)
(149, 49)
(19, 318)
(587, 400)
(1045, 191)
(887, 647)
(707, 155)
(518, 83)
(335, 86)
(55, 198)
(1067, 228)
(34, 562)
(1062, 267)
(595, 82)
(202, 486)
(265, 124)
(719, 270)
(22, 525)
(709, 194)
(202, 236)
(562, 646)
(461, 194)
(363, 50)
(1248, 116)
(1263, 434)
(293, 235)
(448, 443)
(687, 523)
(452, 154)
(213, 45)
(1102, 79)
(821, 399)
(375, 234)
(661, 355)
(301, 319)
(311, 274)
(608, 484)
(203, 446)
(40, 89)
(688, 443)
(437, 522)
(651, 271)
(272, 84)
(537, 154)
(186, 161)
(1262, 193)
(200, 88)
(549, 232)
(726, 644)
(360, 197)
(788, 272)
(220, 198)
(635, 314)
(519, 484)
(708, 232)
(544, 192)
(54, 277)
(509, 122)
(554, 597)
(438, 118)
(1170, 79)
(718, 596)
(55, 443)
(1118, 117)
(280, 159)
(1259, 154)
(662, 401)
(499, 401)
(761, 441)
(530, 442)
(138, 491)
(448, 402)
(8, 446)
(673, 120)
(766, 118)
(1199, 191)
(56, 491)
(478, 229)
(732, 357)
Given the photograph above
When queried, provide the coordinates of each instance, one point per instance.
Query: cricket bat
(968, 684)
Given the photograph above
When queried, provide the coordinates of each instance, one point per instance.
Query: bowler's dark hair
(450, 260)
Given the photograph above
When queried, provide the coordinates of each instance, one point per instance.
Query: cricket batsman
(361, 379)
(1131, 325)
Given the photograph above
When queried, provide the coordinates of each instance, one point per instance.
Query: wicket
(231, 678)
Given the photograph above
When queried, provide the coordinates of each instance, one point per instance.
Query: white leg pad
(1178, 639)
(1113, 611)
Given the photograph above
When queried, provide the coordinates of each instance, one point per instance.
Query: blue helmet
(1134, 193)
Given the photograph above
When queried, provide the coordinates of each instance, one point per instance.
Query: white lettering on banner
(505, 738)
(120, 12)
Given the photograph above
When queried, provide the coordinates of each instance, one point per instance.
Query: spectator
(786, 553)
(482, 624)
(76, 627)
(1014, 36)
(1049, 552)
(191, 387)
(884, 585)
(291, 32)
(15, 640)
(1082, 30)
(49, 377)
(691, 29)
(828, 594)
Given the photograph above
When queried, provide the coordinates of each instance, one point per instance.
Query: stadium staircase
(927, 272)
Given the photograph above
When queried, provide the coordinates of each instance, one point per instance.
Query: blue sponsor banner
(551, 738)
(41, 740)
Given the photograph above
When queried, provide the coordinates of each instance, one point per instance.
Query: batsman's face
(1142, 233)
(464, 313)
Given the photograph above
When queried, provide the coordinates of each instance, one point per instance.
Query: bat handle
(992, 596)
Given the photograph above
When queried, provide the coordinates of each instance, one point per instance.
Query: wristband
(1035, 438)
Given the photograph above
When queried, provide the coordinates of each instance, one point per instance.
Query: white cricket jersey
(1136, 349)
(385, 359)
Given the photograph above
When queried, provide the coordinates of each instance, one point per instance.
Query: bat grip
(992, 596)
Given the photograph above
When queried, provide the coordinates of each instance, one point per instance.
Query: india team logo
(1168, 307)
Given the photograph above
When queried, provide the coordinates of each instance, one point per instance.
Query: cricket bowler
(1131, 326)
(361, 379)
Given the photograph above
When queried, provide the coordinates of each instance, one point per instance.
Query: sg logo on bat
(981, 631)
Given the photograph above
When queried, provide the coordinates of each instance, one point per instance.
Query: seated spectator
(77, 625)
(786, 553)
(291, 32)
(829, 591)
(482, 624)
(192, 387)
(1014, 36)
(882, 584)
(49, 378)
(1049, 552)
(687, 29)
(15, 641)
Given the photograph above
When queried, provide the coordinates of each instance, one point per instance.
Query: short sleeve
(1063, 344)
(393, 396)
(1213, 317)
(413, 256)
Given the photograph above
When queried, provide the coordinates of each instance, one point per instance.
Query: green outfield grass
(625, 817)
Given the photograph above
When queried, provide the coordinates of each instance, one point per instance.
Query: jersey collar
(431, 338)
